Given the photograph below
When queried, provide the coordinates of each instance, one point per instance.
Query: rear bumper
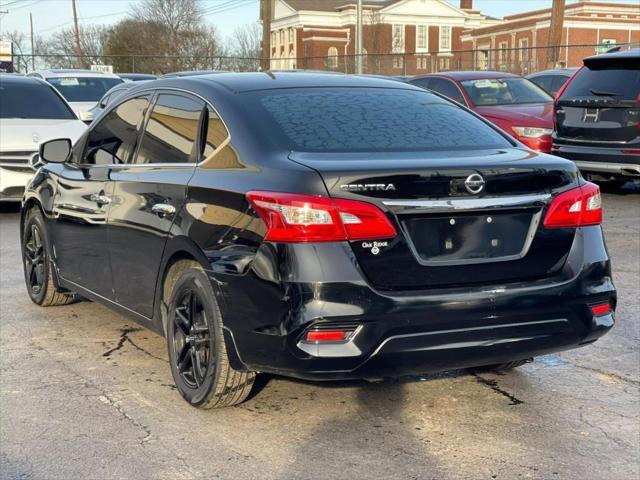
(603, 160)
(268, 310)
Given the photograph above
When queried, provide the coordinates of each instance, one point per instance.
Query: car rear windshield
(487, 92)
(367, 119)
(622, 83)
(42, 102)
(83, 89)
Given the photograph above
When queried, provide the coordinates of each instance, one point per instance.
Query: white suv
(31, 112)
(82, 88)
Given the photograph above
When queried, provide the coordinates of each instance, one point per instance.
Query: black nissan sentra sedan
(317, 226)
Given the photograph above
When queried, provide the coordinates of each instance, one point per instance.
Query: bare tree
(176, 15)
(62, 45)
(245, 45)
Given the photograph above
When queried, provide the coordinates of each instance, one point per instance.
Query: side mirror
(56, 151)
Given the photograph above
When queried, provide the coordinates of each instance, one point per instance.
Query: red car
(515, 104)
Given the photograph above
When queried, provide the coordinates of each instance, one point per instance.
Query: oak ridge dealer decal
(375, 246)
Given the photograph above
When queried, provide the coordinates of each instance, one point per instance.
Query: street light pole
(359, 37)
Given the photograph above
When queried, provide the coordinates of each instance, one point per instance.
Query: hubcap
(191, 340)
(34, 260)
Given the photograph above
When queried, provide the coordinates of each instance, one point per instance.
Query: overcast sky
(226, 15)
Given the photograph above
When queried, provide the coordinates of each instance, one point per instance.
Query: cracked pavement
(85, 393)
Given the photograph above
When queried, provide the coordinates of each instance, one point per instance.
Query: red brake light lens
(600, 309)
(319, 336)
(293, 217)
(578, 207)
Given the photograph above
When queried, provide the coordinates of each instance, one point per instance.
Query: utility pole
(265, 52)
(33, 44)
(555, 33)
(359, 38)
(79, 59)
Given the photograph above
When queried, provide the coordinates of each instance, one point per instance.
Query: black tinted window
(558, 82)
(83, 89)
(544, 82)
(620, 83)
(368, 119)
(421, 82)
(172, 131)
(31, 100)
(216, 132)
(446, 88)
(114, 138)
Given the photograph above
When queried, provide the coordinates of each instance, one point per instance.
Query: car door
(84, 192)
(149, 193)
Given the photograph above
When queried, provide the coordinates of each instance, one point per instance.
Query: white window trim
(440, 47)
(523, 51)
(401, 48)
(426, 47)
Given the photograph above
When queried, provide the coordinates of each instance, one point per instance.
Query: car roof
(136, 75)
(192, 73)
(614, 57)
(250, 81)
(470, 75)
(554, 71)
(73, 72)
(20, 80)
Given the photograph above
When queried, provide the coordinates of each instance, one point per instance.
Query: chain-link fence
(522, 61)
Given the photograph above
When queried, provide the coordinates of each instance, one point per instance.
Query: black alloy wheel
(34, 260)
(192, 340)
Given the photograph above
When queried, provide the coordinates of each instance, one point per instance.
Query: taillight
(578, 207)
(601, 309)
(293, 217)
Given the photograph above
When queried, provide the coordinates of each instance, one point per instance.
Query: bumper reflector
(601, 309)
(319, 336)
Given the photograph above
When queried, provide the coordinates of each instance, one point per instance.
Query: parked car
(551, 81)
(513, 103)
(81, 88)
(192, 73)
(317, 226)
(111, 95)
(31, 111)
(598, 117)
(136, 77)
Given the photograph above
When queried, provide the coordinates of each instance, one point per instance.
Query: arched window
(332, 57)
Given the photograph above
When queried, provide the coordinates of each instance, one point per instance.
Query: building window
(292, 59)
(524, 49)
(291, 35)
(281, 37)
(397, 42)
(422, 62)
(445, 64)
(273, 38)
(365, 60)
(422, 37)
(502, 55)
(445, 38)
(332, 57)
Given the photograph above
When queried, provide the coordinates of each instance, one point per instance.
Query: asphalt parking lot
(87, 394)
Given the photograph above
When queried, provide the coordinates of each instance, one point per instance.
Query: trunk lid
(448, 236)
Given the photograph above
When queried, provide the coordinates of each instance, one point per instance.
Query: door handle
(163, 209)
(100, 198)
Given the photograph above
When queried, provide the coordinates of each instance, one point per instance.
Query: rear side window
(113, 139)
(544, 82)
(216, 132)
(172, 131)
(421, 82)
(43, 102)
(447, 88)
(368, 119)
(622, 83)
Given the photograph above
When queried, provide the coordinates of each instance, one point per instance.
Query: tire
(504, 367)
(37, 265)
(197, 353)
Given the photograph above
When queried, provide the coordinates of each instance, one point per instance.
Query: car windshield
(367, 119)
(488, 92)
(43, 102)
(83, 89)
(619, 83)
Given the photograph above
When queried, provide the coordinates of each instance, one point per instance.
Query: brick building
(407, 35)
(422, 36)
(515, 44)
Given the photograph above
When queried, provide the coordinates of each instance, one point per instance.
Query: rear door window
(172, 130)
(421, 82)
(447, 88)
(621, 83)
(545, 82)
(114, 138)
